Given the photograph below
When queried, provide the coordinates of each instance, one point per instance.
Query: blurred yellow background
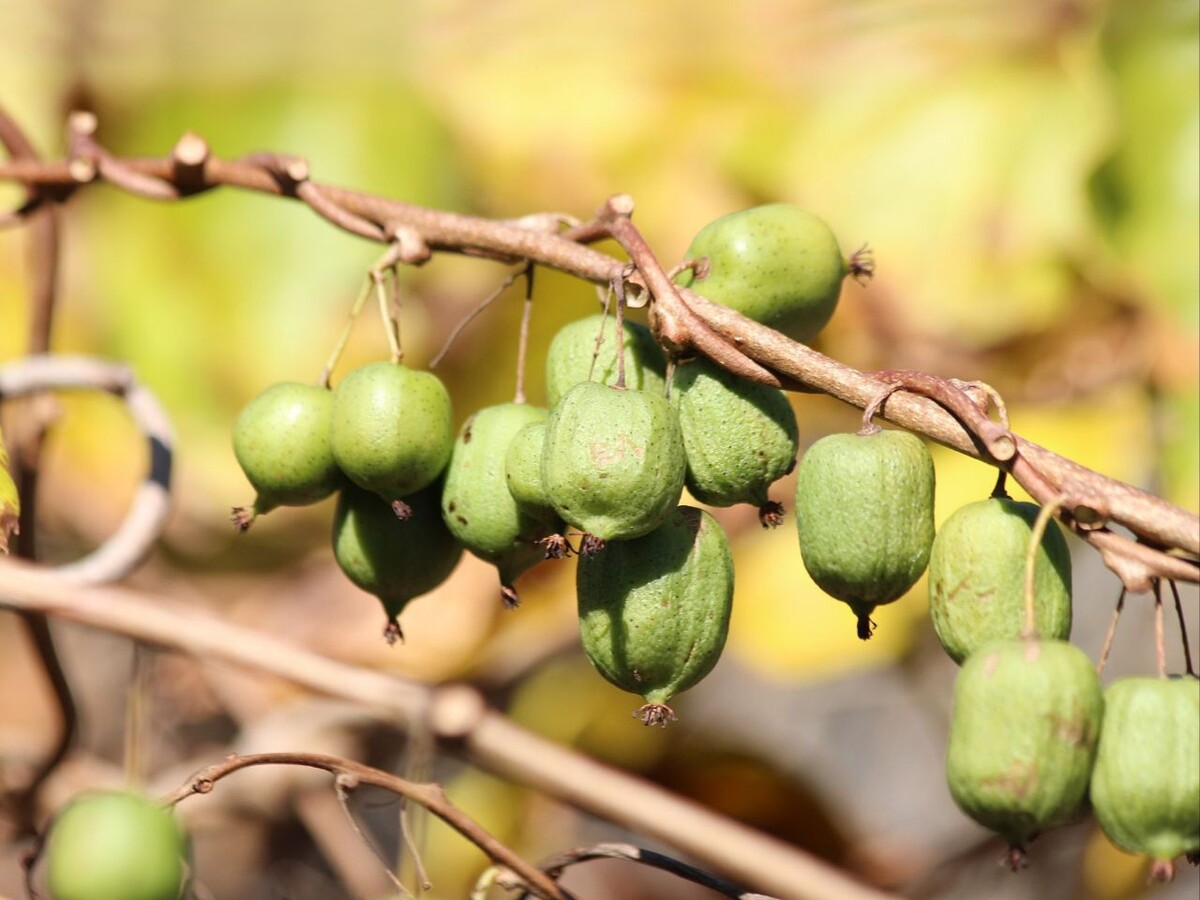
(1026, 172)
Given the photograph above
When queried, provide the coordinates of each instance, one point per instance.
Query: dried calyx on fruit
(1145, 787)
(476, 503)
(1027, 715)
(613, 464)
(740, 436)
(394, 559)
(282, 442)
(654, 610)
(977, 577)
(777, 264)
(864, 516)
(392, 429)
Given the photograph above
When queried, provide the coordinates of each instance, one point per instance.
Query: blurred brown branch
(457, 716)
(1166, 541)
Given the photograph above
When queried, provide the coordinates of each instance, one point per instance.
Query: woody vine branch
(1166, 541)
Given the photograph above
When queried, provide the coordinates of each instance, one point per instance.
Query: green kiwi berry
(864, 517)
(112, 844)
(654, 611)
(777, 264)
(613, 464)
(585, 350)
(282, 442)
(392, 429)
(395, 559)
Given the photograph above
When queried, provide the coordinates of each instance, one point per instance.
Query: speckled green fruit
(864, 517)
(394, 559)
(654, 611)
(476, 503)
(114, 844)
(573, 356)
(614, 464)
(776, 264)
(977, 577)
(393, 428)
(1023, 733)
(740, 436)
(523, 471)
(282, 442)
(1146, 784)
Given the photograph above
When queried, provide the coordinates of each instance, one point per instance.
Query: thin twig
(349, 774)
(470, 317)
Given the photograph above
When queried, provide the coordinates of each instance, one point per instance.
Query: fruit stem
(344, 337)
(619, 288)
(391, 321)
(1000, 490)
(1160, 651)
(1035, 543)
(523, 335)
(1112, 631)
(1187, 648)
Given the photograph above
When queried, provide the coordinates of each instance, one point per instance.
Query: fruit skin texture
(1146, 783)
(114, 844)
(614, 462)
(654, 611)
(281, 440)
(776, 264)
(394, 559)
(864, 517)
(476, 504)
(977, 577)
(739, 436)
(523, 471)
(392, 429)
(1023, 733)
(569, 357)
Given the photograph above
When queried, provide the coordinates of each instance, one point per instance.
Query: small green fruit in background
(573, 357)
(1145, 787)
(393, 428)
(614, 464)
(477, 506)
(654, 611)
(977, 577)
(776, 264)
(864, 517)
(1023, 736)
(395, 559)
(114, 844)
(740, 436)
(282, 442)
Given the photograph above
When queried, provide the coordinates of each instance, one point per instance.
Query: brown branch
(350, 774)
(687, 319)
(458, 717)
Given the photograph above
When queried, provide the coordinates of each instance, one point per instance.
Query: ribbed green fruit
(573, 357)
(776, 264)
(1027, 716)
(392, 429)
(523, 471)
(977, 577)
(114, 844)
(1146, 784)
(476, 503)
(395, 559)
(281, 440)
(864, 517)
(654, 611)
(740, 436)
(614, 464)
